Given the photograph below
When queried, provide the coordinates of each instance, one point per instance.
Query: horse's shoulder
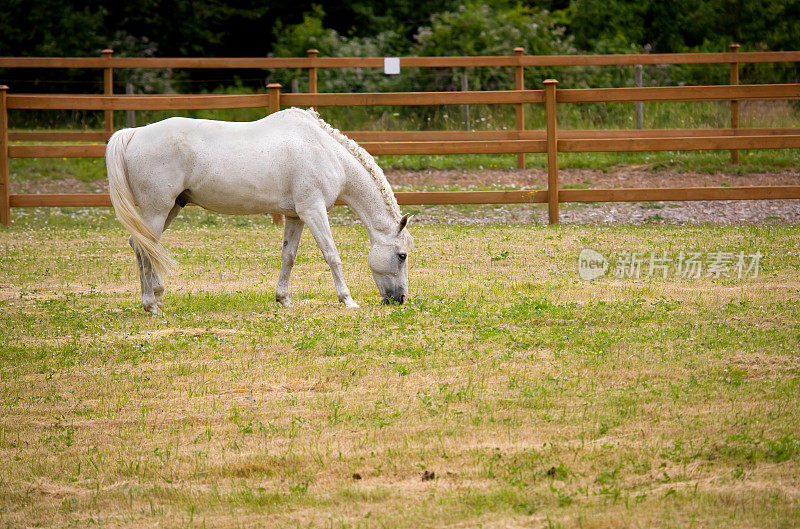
(292, 117)
(294, 113)
(294, 123)
(169, 126)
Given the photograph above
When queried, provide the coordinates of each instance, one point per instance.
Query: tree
(478, 29)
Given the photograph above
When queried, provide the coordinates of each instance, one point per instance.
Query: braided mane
(365, 159)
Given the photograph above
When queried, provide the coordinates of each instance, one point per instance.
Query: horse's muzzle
(398, 299)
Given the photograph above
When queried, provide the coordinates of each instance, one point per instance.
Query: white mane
(366, 159)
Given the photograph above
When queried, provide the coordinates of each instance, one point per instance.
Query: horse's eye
(402, 256)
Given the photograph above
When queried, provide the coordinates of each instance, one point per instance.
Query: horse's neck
(362, 194)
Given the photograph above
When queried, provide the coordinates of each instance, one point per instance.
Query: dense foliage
(216, 28)
(256, 28)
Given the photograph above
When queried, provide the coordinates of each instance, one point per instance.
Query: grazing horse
(291, 163)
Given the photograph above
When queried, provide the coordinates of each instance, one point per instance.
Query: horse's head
(388, 260)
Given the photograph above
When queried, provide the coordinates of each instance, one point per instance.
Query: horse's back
(204, 139)
(236, 167)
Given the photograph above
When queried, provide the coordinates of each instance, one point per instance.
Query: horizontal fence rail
(419, 198)
(574, 95)
(452, 135)
(678, 93)
(520, 141)
(265, 63)
(693, 143)
(134, 102)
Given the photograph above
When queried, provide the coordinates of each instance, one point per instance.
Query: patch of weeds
(733, 377)
(335, 412)
(353, 493)
(680, 452)
(603, 429)
(63, 436)
(400, 368)
(563, 497)
(743, 447)
(430, 403)
(497, 500)
(500, 256)
(258, 498)
(560, 472)
(309, 340)
(299, 488)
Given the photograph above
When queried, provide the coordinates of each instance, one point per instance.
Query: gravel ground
(716, 212)
(701, 212)
(631, 176)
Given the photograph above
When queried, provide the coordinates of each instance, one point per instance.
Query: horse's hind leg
(292, 231)
(158, 285)
(145, 278)
(152, 286)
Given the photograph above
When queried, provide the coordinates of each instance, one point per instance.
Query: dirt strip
(631, 176)
(715, 212)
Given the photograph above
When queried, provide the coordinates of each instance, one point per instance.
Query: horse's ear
(403, 222)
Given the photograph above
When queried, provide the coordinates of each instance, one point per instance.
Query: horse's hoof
(350, 304)
(285, 302)
(155, 310)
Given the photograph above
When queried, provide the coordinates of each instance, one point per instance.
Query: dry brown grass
(537, 399)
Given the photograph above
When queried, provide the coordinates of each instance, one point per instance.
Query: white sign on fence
(391, 65)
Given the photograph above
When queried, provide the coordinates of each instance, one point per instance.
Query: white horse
(290, 162)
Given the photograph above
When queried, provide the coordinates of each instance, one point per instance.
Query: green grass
(758, 114)
(36, 169)
(537, 399)
(757, 161)
(753, 161)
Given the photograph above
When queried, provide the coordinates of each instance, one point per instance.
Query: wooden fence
(519, 141)
(312, 63)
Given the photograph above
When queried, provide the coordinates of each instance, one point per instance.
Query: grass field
(529, 397)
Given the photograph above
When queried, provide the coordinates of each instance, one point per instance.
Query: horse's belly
(240, 196)
(237, 208)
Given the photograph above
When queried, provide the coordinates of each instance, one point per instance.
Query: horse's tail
(123, 201)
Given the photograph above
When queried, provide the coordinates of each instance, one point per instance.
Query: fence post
(639, 81)
(5, 206)
(465, 108)
(519, 84)
(274, 96)
(312, 72)
(552, 149)
(734, 48)
(130, 114)
(108, 89)
(274, 91)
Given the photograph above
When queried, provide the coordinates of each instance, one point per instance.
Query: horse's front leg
(317, 220)
(292, 231)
